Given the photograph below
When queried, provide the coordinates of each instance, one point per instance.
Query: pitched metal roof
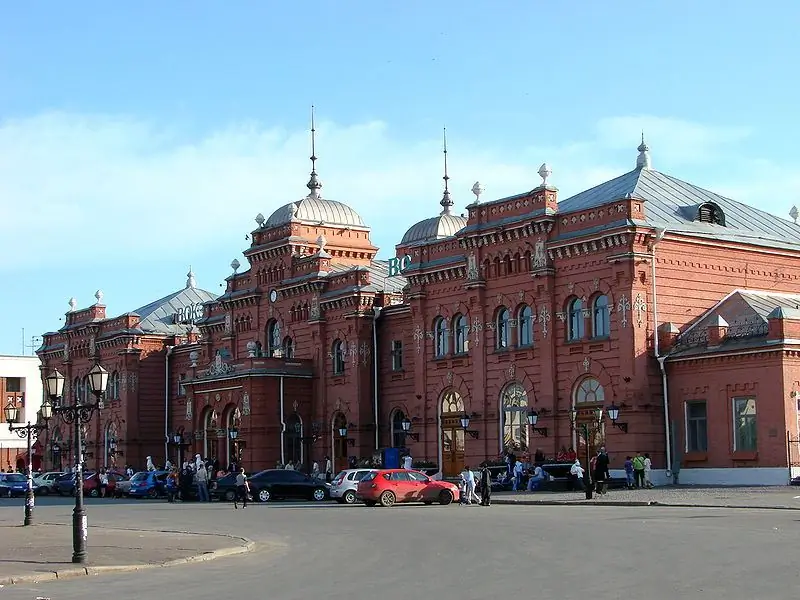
(673, 204)
(157, 317)
(313, 209)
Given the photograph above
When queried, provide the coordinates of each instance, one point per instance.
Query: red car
(390, 486)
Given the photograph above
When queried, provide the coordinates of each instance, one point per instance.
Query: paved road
(456, 552)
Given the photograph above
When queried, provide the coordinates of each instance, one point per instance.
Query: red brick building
(527, 302)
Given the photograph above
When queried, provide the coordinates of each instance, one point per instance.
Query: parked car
(149, 484)
(65, 485)
(223, 488)
(91, 485)
(46, 482)
(287, 484)
(345, 484)
(14, 484)
(392, 486)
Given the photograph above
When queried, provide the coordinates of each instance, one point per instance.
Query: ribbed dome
(316, 209)
(435, 228)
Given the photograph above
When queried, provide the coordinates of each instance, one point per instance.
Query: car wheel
(318, 494)
(153, 494)
(94, 493)
(445, 497)
(230, 496)
(44, 491)
(387, 499)
(369, 502)
(349, 497)
(428, 502)
(264, 495)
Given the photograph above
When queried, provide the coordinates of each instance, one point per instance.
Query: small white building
(21, 385)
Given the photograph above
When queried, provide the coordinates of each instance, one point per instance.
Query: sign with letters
(398, 265)
(188, 314)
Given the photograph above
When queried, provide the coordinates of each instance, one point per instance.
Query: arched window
(85, 393)
(601, 324)
(576, 321)
(514, 400)
(273, 339)
(461, 329)
(440, 337)
(337, 354)
(502, 329)
(525, 324)
(452, 403)
(288, 347)
(209, 423)
(589, 390)
(76, 390)
(398, 435)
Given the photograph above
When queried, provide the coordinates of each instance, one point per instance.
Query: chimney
(667, 334)
(717, 329)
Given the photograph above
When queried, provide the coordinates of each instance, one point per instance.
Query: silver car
(343, 486)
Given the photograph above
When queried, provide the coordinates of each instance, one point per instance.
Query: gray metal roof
(157, 316)
(315, 210)
(435, 228)
(673, 204)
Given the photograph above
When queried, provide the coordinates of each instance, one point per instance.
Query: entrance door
(452, 447)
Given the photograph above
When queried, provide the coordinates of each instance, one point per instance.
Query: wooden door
(452, 448)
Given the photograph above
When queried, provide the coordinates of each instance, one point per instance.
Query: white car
(343, 486)
(45, 482)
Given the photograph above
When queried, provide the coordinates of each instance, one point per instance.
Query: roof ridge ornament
(446, 201)
(191, 283)
(544, 172)
(477, 189)
(794, 214)
(314, 184)
(643, 160)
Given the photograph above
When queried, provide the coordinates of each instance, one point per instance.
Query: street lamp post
(30, 431)
(78, 414)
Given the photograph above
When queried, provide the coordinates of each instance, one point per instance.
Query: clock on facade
(273, 296)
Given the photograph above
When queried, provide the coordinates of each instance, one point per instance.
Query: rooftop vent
(711, 213)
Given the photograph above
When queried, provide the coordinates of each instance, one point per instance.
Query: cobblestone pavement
(44, 551)
(783, 497)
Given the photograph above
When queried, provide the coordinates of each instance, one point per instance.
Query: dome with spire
(314, 209)
(442, 226)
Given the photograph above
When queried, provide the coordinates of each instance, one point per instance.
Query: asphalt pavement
(307, 550)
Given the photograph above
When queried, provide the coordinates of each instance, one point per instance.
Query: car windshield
(15, 478)
(139, 477)
(370, 476)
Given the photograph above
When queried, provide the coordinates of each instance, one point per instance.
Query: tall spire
(643, 160)
(314, 184)
(446, 202)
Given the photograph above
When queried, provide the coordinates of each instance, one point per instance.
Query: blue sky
(137, 141)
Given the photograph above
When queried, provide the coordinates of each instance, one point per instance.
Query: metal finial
(446, 202)
(235, 264)
(314, 184)
(260, 219)
(643, 160)
(190, 280)
(794, 214)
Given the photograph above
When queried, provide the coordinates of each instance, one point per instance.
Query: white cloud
(156, 188)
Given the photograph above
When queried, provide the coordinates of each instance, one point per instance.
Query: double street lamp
(78, 414)
(592, 426)
(30, 431)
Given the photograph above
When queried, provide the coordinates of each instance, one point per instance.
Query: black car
(223, 488)
(274, 484)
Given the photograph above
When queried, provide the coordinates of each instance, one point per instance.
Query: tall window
(461, 329)
(440, 337)
(744, 425)
(397, 355)
(398, 435)
(525, 323)
(502, 328)
(209, 433)
(515, 425)
(288, 347)
(589, 390)
(576, 322)
(181, 386)
(337, 355)
(696, 426)
(293, 447)
(273, 339)
(601, 324)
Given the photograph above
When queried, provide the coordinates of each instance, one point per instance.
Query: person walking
(648, 467)
(638, 470)
(202, 483)
(469, 477)
(328, 469)
(601, 471)
(486, 486)
(103, 482)
(172, 485)
(242, 489)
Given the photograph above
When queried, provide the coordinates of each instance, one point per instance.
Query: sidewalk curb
(71, 573)
(634, 503)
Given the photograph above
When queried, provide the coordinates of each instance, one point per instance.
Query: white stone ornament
(99, 296)
(545, 172)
